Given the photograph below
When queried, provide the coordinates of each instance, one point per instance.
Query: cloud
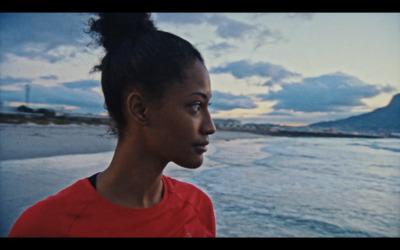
(182, 18)
(50, 77)
(226, 26)
(302, 16)
(81, 94)
(227, 101)
(78, 94)
(12, 81)
(326, 93)
(84, 84)
(280, 113)
(44, 35)
(242, 69)
(230, 28)
(221, 47)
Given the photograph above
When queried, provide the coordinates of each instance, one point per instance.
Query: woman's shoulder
(192, 201)
(187, 192)
(52, 215)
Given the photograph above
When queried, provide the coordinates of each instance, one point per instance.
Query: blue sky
(286, 68)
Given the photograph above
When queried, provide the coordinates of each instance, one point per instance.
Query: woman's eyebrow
(200, 94)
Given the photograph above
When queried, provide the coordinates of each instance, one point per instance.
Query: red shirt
(79, 211)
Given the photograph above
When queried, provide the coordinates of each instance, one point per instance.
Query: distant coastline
(222, 125)
(287, 133)
(304, 131)
(45, 119)
(25, 115)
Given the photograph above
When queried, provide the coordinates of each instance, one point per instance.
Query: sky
(282, 68)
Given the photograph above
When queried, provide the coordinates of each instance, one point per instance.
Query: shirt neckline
(106, 204)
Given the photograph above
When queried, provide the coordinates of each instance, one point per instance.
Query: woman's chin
(193, 163)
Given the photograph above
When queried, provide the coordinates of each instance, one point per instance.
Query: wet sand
(27, 141)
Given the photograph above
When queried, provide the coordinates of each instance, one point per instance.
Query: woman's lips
(201, 147)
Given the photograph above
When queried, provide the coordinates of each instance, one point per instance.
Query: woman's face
(178, 129)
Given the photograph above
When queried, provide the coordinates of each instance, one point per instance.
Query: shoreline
(31, 140)
(287, 133)
(28, 141)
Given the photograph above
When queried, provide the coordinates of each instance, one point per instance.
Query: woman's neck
(134, 177)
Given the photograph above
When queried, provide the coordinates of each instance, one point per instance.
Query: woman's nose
(208, 126)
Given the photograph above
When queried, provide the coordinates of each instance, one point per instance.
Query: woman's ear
(137, 107)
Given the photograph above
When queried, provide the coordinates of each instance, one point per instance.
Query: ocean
(305, 187)
(260, 186)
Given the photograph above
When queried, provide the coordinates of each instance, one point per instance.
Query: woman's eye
(196, 106)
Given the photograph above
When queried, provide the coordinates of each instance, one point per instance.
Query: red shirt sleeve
(52, 216)
(202, 208)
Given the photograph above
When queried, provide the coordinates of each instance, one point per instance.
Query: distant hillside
(381, 120)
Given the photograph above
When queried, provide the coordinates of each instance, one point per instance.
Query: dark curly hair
(139, 57)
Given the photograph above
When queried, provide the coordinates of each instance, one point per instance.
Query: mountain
(381, 120)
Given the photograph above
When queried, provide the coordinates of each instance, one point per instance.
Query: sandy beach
(26, 141)
(31, 141)
(39, 160)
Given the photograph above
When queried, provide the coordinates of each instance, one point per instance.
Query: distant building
(227, 123)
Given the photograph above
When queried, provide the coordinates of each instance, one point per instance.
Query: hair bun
(113, 30)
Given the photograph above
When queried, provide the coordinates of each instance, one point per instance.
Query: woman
(157, 91)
